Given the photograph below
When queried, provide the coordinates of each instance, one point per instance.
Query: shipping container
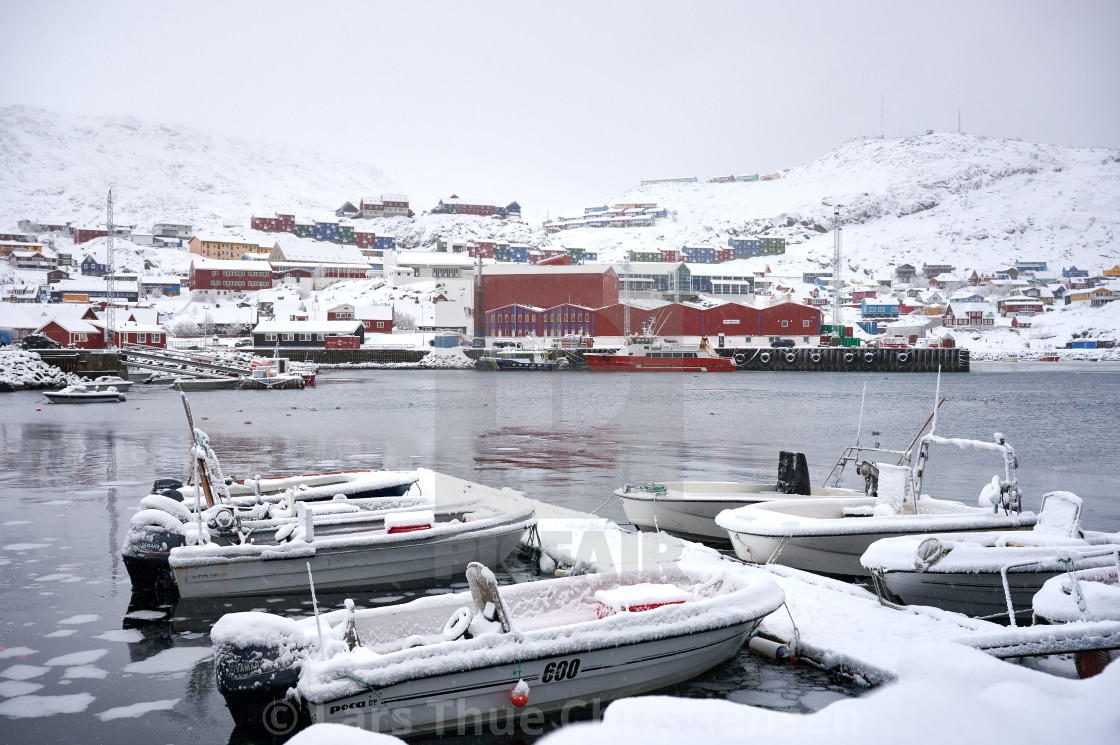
(342, 342)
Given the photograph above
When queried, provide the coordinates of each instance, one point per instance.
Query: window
(785, 324)
(805, 323)
(155, 338)
(305, 337)
(289, 337)
(141, 338)
(380, 324)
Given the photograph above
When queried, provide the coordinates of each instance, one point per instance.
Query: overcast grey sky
(556, 104)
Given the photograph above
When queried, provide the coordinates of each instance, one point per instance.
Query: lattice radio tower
(110, 277)
(837, 270)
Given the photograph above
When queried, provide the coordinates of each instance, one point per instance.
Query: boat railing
(851, 454)
(1010, 495)
(1071, 561)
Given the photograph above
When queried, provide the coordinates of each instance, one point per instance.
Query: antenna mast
(110, 277)
(626, 300)
(837, 270)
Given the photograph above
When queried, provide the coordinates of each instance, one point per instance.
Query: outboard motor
(257, 658)
(793, 474)
(168, 488)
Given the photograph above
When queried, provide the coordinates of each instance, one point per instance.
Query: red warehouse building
(548, 286)
(790, 319)
(225, 277)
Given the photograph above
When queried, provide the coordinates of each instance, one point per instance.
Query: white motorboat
(688, 509)
(224, 383)
(80, 394)
(397, 548)
(104, 382)
(490, 654)
(989, 575)
(521, 359)
(828, 535)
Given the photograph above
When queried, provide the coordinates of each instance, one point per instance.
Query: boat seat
(484, 591)
(1060, 514)
(895, 488)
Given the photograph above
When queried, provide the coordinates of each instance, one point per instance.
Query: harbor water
(79, 664)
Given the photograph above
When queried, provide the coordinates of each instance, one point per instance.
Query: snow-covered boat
(521, 359)
(491, 654)
(388, 548)
(104, 382)
(649, 353)
(688, 509)
(189, 385)
(828, 535)
(990, 575)
(80, 394)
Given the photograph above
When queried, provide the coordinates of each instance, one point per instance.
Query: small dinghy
(81, 394)
(989, 575)
(688, 509)
(489, 654)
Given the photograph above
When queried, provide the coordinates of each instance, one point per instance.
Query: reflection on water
(71, 476)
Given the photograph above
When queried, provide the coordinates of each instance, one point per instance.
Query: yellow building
(224, 248)
(6, 247)
(1113, 272)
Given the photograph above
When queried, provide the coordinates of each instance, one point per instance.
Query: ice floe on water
(121, 635)
(77, 658)
(138, 709)
(18, 522)
(174, 660)
(146, 615)
(23, 672)
(25, 707)
(60, 633)
(10, 688)
(16, 652)
(81, 618)
(85, 671)
(25, 546)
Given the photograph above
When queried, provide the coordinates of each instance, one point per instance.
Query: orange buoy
(519, 696)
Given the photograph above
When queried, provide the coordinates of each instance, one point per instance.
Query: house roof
(241, 265)
(295, 249)
(73, 325)
(307, 327)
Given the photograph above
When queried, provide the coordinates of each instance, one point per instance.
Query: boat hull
(474, 697)
(690, 511)
(492, 363)
(84, 398)
(417, 562)
(626, 363)
(977, 594)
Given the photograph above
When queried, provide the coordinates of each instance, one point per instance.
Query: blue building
(878, 308)
(519, 253)
(1030, 266)
(700, 254)
(325, 230)
(1074, 272)
(745, 247)
(385, 243)
(590, 256)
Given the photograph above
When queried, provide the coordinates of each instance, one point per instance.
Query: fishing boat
(649, 353)
(688, 509)
(829, 535)
(1050, 357)
(521, 359)
(80, 394)
(104, 382)
(989, 575)
(491, 654)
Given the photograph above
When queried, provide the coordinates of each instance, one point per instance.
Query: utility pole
(110, 277)
(837, 270)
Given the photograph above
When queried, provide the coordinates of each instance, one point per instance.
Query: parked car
(782, 343)
(38, 341)
(507, 344)
(243, 343)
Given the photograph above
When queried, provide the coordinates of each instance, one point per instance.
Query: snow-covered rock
(22, 371)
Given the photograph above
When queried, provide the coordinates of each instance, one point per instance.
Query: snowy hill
(973, 201)
(58, 167)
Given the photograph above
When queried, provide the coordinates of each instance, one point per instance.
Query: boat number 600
(558, 671)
